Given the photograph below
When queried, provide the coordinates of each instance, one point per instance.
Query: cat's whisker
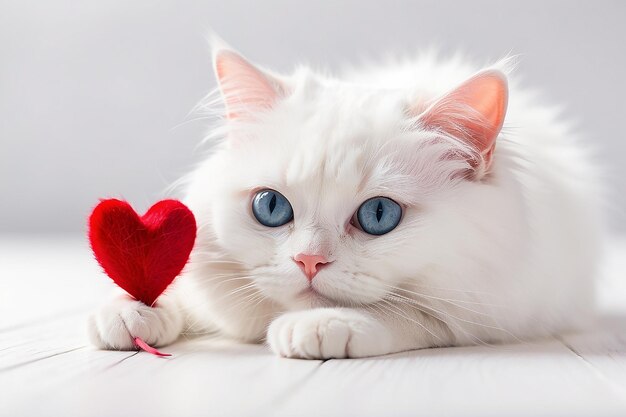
(242, 288)
(233, 282)
(448, 323)
(185, 122)
(215, 261)
(420, 294)
(223, 278)
(246, 300)
(465, 291)
(481, 313)
(397, 311)
(410, 301)
(446, 300)
(440, 313)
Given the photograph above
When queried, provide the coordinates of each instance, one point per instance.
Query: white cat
(379, 212)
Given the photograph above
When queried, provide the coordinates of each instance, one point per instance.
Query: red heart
(143, 254)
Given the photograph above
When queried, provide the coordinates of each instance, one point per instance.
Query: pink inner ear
(473, 112)
(244, 87)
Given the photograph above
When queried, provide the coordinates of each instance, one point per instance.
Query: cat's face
(325, 172)
(288, 186)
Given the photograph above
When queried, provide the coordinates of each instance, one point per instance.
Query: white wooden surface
(47, 286)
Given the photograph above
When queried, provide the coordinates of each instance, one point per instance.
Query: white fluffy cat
(379, 212)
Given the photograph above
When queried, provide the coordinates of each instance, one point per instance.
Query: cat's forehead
(333, 133)
(328, 163)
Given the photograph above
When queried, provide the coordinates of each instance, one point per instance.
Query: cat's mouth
(316, 298)
(309, 292)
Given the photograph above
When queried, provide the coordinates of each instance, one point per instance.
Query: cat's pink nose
(310, 264)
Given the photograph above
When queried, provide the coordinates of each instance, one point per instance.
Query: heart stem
(144, 346)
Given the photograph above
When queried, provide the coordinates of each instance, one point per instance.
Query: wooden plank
(47, 277)
(204, 377)
(603, 346)
(535, 379)
(603, 349)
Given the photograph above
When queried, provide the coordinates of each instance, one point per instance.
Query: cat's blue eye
(271, 208)
(379, 215)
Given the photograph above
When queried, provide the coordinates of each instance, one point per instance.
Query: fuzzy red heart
(143, 254)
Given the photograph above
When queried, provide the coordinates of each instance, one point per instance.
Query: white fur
(508, 257)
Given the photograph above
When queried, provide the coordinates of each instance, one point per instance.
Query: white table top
(47, 368)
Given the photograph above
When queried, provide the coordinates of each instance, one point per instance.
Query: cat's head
(333, 191)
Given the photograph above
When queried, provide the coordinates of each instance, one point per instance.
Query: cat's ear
(473, 112)
(245, 88)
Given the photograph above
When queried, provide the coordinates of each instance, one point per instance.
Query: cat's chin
(313, 298)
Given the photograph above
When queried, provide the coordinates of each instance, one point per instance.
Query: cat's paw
(328, 333)
(116, 324)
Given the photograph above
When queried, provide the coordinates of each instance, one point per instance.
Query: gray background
(93, 93)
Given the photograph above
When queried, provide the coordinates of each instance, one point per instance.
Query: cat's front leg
(326, 333)
(116, 324)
